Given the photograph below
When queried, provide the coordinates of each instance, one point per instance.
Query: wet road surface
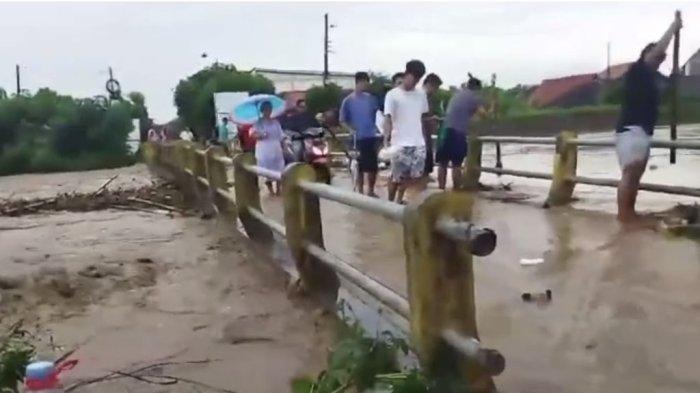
(625, 314)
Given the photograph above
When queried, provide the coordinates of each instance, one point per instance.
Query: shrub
(322, 98)
(48, 132)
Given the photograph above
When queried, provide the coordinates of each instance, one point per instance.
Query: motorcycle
(309, 146)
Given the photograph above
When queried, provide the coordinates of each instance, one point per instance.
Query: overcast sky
(68, 46)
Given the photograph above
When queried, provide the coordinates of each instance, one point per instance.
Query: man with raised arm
(638, 115)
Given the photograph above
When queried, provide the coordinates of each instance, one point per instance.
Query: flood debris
(159, 197)
(542, 297)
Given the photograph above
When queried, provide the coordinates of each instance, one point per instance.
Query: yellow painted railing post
(565, 158)
(150, 153)
(247, 193)
(302, 219)
(470, 178)
(218, 180)
(441, 287)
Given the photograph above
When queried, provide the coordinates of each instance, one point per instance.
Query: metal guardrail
(563, 176)
(384, 208)
(437, 295)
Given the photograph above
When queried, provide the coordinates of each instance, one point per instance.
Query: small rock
(11, 282)
(63, 288)
(100, 271)
(46, 256)
(591, 345)
(53, 271)
(144, 260)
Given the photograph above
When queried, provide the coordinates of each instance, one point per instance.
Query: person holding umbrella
(268, 148)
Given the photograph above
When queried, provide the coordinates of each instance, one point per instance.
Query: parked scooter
(309, 146)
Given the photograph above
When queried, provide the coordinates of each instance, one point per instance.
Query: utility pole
(19, 87)
(674, 90)
(325, 49)
(608, 69)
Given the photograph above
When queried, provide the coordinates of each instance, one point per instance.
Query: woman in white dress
(268, 148)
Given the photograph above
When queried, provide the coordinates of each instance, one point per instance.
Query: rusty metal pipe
(482, 241)
(490, 359)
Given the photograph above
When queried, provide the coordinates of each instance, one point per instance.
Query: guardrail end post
(247, 193)
(565, 158)
(470, 178)
(150, 153)
(302, 219)
(441, 287)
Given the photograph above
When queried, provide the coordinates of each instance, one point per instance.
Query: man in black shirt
(299, 119)
(638, 116)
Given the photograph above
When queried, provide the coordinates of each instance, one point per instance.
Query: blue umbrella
(248, 111)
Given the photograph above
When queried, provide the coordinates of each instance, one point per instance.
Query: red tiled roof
(617, 71)
(551, 90)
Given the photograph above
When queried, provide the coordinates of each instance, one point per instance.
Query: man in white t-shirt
(404, 108)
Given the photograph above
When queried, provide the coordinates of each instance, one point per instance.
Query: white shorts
(632, 146)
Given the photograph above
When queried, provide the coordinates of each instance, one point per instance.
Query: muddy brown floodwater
(131, 288)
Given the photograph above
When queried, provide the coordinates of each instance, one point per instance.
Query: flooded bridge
(623, 315)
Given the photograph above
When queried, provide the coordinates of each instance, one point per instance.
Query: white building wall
(292, 82)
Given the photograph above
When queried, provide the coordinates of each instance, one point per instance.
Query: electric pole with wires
(326, 48)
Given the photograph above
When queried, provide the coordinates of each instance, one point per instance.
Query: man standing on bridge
(452, 143)
(358, 115)
(404, 109)
(638, 116)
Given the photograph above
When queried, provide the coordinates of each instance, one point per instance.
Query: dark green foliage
(322, 98)
(194, 96)
(48, 132)
(16, 352)
(360, 363)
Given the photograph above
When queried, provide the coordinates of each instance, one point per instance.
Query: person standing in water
(638, 115)
(431, 85)
(358, 115)
(268, 146)
(405, 107)
(452, 144)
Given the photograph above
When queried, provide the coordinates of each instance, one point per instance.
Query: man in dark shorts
(638, 116)
(452, 146)
(358, 114)
(431, 84)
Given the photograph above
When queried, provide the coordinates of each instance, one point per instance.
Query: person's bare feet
(637, 221)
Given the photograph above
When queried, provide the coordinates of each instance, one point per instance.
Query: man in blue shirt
(358, 114)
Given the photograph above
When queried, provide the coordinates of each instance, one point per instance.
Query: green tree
(322, 98)
(194, 96)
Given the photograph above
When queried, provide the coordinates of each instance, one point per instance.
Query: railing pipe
(385, 295)
(481, 241)
(384, 208)
(469, 347)
(263, 172)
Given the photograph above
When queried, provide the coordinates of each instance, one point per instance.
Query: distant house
(692, 66)
(574, 90)
(616, 72)
(295, 80)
